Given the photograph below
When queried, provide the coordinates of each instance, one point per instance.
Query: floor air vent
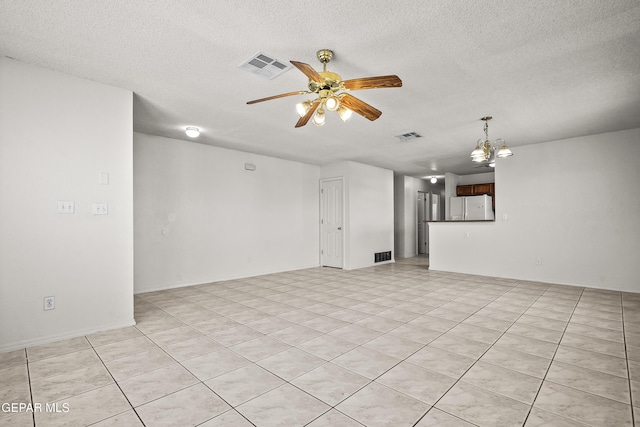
(265, 66)
(382, 256)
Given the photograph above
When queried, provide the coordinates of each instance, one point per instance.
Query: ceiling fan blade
(308, 71)
(372, 82)
(358, 106)
(282, 95)
(304, 119)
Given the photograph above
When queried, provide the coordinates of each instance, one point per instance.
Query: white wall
(399, 220)
(201, 217)
(476, 178)
(57, 133)
(368, 221)
(572, 203)
(451, 181)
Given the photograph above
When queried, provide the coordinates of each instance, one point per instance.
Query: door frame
(320, 223)
(427, 213)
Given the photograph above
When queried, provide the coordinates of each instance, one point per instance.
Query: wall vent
(265, 66)
(408, 136)
(382, 256)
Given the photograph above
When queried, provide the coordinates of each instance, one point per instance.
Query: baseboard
(59, 337)
(220, 279)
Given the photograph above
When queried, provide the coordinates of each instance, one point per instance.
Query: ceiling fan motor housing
(331, 82)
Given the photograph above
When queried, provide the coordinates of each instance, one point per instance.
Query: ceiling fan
(333, 93)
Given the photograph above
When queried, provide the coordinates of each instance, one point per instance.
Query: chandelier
(487, 151)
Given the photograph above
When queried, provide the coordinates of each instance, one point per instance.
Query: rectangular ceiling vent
(265, 66)
(408, 136)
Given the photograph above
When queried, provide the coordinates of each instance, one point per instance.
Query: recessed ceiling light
(192, 132)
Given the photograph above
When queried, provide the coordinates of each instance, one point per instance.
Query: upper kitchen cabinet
(476, 189)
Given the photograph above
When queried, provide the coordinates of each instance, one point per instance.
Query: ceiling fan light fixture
(332, 92)
(303, 107)
(192, 132)
(318, 117)
(344, 113)
(332, 103)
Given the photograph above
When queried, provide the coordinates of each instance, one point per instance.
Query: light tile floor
(391, 345)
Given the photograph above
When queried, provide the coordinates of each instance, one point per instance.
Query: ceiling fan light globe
(344, 113)
(303, 107)
(332, 103)
(319, 118)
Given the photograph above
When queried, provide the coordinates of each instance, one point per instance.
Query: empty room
(285, 213)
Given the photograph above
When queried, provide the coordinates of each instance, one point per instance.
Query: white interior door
(331, 223)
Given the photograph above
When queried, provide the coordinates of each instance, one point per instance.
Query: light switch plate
(100, 209)
(103, 178)
(66, 207)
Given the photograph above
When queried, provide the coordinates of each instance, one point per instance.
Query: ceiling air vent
(264, 66)
(408, 136)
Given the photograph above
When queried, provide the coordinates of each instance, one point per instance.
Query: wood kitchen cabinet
(464, 190)
(480, 189)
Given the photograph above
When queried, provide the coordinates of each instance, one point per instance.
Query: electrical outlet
(49, 303)
(538, 261)
(466, 234)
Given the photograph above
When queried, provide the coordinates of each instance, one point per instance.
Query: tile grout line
(485, 352)
(116, 383)
(589, 369)
(552, 359)
(26, 356)
(626, 357)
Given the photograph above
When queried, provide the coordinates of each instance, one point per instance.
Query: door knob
(339, 228)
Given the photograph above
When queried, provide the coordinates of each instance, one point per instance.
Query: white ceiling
(545, 70)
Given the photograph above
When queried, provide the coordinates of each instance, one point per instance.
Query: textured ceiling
(545, 70)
